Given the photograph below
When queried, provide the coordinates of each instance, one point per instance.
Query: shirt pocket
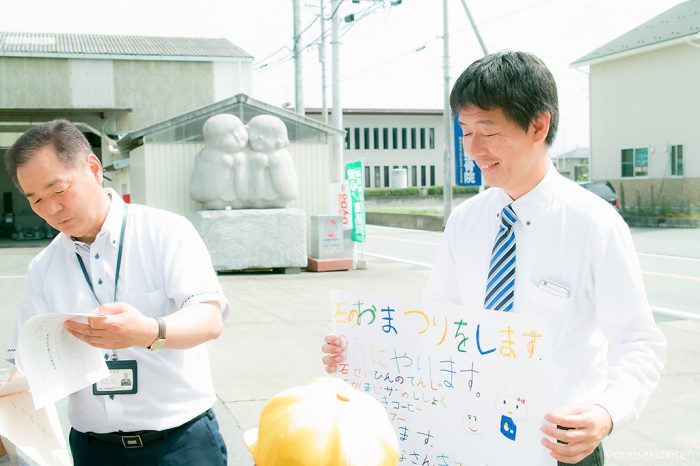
(555, 310)
(150, 303)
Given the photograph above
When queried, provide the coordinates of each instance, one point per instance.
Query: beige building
(644, 103)
(108, 85)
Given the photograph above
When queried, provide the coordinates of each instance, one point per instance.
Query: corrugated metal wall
(168, 168)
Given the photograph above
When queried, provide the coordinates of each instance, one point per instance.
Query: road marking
(394, 238)
(11, 276)
(675, 313)
(672, 275)
(665, 256)
(656, 309)
(396, 259)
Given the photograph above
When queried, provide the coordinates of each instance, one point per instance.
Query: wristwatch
(160, 341)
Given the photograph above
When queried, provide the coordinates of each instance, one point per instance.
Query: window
(347, 138)
(422, 138)
(432, 175)
(414, 176)
(367, 177)
(413, 138)
(386, 175)
(635, 162)
(431, 138)
(385, 138)
(366, 138)
(677, 160)
(376, 138)
(404, 138)
(377, 177)
(422, 176)
(394, 138)
(357, 138)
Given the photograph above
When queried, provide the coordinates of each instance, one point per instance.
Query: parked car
(603, 189)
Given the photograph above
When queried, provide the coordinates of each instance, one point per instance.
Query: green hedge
(437, 190)
(389, 192)
(414, 191)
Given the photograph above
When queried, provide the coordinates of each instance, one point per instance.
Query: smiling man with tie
(538, 243)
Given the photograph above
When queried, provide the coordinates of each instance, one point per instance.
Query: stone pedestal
(254, 238)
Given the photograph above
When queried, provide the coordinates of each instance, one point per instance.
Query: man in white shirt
(148, 277)
(570, 259)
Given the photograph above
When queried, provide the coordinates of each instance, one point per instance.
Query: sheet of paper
(36, 432)
(461, 387)
(54, 362)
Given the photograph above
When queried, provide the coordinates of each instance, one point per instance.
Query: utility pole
(476, 29)
(447, 120)
(322, 59)
(337, 111)
(298, 82)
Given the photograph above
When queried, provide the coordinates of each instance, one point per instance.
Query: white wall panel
(92, 83)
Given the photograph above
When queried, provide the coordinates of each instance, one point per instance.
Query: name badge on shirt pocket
(554, 288)
(122, 380)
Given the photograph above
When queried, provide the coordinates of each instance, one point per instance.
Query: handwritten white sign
(461, 387)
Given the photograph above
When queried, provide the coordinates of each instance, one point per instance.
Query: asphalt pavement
(272, 342)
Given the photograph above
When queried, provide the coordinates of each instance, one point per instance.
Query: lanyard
(119, 263)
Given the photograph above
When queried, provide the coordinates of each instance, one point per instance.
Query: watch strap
(160, 340)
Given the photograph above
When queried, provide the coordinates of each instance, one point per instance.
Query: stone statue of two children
(244, 166)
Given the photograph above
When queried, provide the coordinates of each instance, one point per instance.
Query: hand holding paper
(55, 363)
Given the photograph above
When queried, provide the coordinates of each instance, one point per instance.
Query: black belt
(140, 438)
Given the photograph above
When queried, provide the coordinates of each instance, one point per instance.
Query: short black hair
(518, 83)
(71, 146)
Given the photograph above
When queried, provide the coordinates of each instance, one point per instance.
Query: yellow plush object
(326, 423)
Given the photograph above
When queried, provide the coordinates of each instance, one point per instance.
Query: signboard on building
(353, 173)
(466, 171)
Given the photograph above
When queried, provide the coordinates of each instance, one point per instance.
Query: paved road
(670, 260)
(271, 342)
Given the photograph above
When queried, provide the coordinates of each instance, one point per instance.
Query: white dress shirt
(165, 267)
(606, 348)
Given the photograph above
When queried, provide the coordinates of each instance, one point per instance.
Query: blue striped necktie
(500, 287)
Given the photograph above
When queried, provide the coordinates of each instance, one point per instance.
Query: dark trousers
(594, 459)
(199, 443)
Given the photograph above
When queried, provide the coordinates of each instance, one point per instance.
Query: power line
(362, 13)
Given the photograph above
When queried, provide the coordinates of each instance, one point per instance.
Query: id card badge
(122, 379)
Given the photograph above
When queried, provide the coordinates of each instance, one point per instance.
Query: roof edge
(134, 138)
(636, 51)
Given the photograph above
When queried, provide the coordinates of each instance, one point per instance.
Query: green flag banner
(353, 172)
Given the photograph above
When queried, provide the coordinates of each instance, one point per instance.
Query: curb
(663, 222)
(412, 221)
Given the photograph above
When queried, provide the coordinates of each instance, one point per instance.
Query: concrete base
(254, 238)
(327, 265)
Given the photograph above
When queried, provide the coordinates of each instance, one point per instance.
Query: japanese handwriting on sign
(531, 344)
(388, 327)
(506, 349)
(399, 352)
(427, 324)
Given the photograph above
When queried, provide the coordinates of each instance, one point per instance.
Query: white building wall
(92, 83)
(137, 176)
(646, 100)
(160, 176)
(379, 157)
(231, 78)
